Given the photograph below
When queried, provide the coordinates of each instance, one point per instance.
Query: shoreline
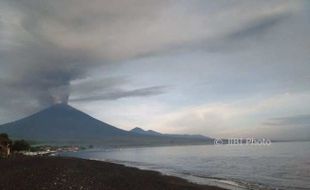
(222, 183)
(49, 173)
(199, 180)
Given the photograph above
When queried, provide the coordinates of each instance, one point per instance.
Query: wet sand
(59, 173)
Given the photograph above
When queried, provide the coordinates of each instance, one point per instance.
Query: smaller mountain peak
(144, 132)
(153, 132)
(137, 129)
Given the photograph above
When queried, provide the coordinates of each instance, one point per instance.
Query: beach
(62, 173)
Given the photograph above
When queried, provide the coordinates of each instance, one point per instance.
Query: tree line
(16, 145)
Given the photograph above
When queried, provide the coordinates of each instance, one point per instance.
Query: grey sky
(219, 68)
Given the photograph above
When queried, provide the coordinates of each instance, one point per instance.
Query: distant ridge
(139, 130)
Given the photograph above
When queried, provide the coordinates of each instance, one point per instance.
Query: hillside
(62, 123)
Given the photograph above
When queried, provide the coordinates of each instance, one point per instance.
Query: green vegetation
(4, 138)
(21, 145)
(17, 145)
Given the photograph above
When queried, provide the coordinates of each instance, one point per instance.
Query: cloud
(246, 118)
(47, 46)
(290, 127)
(120, 93)
(258, 27)
(296, 120)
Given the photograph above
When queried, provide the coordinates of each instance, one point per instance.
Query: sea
(281, 165)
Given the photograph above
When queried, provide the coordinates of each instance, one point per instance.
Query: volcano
(61, 122)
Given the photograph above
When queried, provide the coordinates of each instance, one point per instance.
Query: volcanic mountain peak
(61, 122)
(60, 108)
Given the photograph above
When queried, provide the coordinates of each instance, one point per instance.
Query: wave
(225, 183)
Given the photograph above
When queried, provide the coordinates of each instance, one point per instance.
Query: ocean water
(277, 166)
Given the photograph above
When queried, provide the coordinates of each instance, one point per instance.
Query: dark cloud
(247, 34)
(42, 71)
(258, 28)
(297, 120)
(295, 127)
(50, 45)
(112, 88)
(119, 93)
(92, 86)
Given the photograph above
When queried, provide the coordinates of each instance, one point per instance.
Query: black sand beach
(58, 173)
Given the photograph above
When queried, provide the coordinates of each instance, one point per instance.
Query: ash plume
(46, 45)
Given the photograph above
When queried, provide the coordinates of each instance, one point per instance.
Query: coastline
(211, 166)
(200, 180)
(221, 183)
(45, 172)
